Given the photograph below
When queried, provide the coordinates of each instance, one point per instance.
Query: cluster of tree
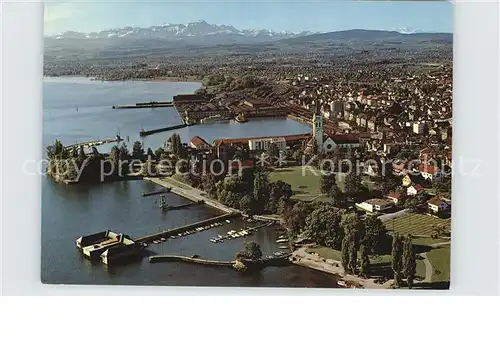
(251, 252)
(250, 192)
(72, 164)
(403, 260)
(443, 187)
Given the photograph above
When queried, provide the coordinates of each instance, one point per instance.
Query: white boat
(231, 232)
(213, 240)
(245, 232)
(282, 241)
(162, 239)
(282, 237)
(179, 234)
(228, 221)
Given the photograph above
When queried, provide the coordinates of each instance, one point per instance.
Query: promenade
(302, 258)
(191, 193)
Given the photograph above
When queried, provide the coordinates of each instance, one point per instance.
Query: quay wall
(173, 258)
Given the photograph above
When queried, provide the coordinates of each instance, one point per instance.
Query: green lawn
(326, 252)
(440, 260)
(415, 224)
(305, 182)
(305, 185)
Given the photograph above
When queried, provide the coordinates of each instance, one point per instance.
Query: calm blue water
(71, 211)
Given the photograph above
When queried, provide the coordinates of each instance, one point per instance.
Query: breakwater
(152, 104)
(159, 130)
(175, 258)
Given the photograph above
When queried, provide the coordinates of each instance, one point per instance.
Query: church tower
(318, 127)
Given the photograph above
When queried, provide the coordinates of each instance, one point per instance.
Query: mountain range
(180, 31)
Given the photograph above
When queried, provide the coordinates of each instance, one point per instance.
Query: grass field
(305, 182)
(304, 186)
(415, 224)
(440, 260)
(326, 252)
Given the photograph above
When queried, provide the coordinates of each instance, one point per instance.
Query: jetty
(151, 104)
(181, 231)
(88, 144)
(143, 132)
(175, 258)
(158, 192)
(280, 260)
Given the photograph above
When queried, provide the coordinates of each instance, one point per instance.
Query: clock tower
(318, 127)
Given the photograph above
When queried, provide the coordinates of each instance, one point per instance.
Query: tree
(409, 262)
(397, 252)
(354, 229)
(375, 230)
(323, 226)
(176, 146)
(295, 218)
(438, 229)
(365, 260)
(150, 153)
(273, 152)
(247, 204)
(327, 182)
(159, 153)
(411, 204)
(208, 184)
(261, 188)
(353, 185)
(137, 150)
(337, 196)
(123, 154)
(251, 252)
(345, 254)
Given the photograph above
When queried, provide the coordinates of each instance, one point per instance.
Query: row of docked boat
(282, 239)
(192, 231)
(233, 234)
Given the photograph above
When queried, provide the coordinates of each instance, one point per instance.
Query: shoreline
(301, 258)
(153, 80)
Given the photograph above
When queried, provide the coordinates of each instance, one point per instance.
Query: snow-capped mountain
(178, 31)
(408, 30)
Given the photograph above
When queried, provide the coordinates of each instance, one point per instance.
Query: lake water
(69, 212)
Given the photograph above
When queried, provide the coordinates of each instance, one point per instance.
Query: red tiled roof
(236, 163)
(435, 201)
(347, 138)
(394, 195)
(294, 137)
(197, 141)
(418, 187)
(425, 168)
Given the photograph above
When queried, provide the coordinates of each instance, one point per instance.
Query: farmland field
(415, 224)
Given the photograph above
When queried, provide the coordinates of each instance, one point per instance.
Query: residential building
(378, 205)
(437, 205)
(414, 190)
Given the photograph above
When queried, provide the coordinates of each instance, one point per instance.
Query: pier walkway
(191, 193)
(87, 144)
(159, 130)
(184, 229)
(152, 104)
(173, 258)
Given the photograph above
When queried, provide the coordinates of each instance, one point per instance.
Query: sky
(277, 15)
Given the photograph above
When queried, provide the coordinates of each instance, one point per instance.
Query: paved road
(428, 268)
(390, 216)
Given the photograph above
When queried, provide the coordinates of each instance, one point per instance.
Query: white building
(265, 143)
(373, 205)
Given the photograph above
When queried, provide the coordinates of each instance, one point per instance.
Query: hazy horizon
(279, 16)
